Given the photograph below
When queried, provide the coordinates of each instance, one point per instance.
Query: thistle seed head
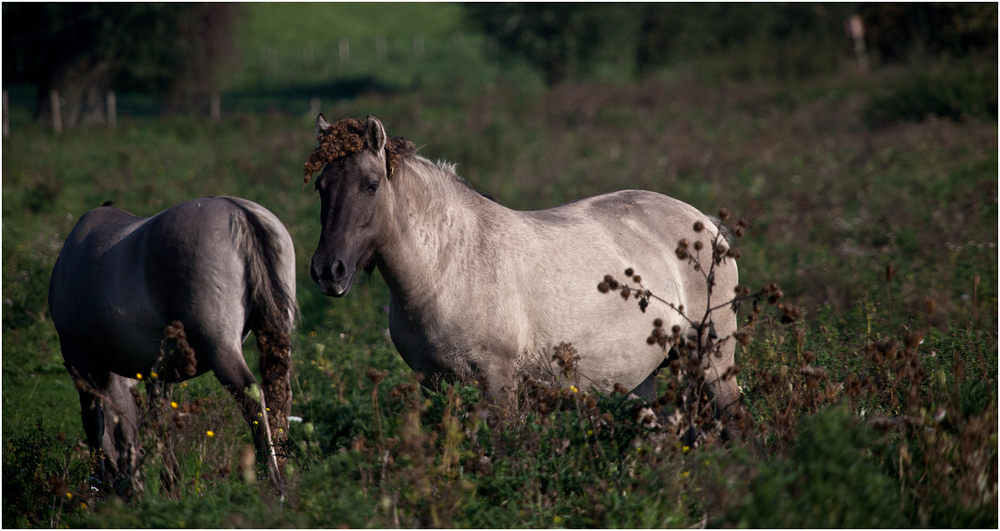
(699, 226)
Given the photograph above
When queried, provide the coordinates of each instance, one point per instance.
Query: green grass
(830, 202)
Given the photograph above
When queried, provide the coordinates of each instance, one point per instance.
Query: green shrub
(829, 479)
(969, 91)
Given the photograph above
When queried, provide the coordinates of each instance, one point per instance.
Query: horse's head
(356, 210)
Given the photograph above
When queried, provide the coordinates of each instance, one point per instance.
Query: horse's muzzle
(333, 281)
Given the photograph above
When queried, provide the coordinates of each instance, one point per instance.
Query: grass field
(896, 434)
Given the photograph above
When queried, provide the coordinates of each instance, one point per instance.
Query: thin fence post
(272, 54)
(6, 115)
(237, 68)
(56, 111)
(216, 111)
(345, 52)
(307, 54)
(418, 45)
(314, 107)
(380, 48)
(854, 26)
(112, 105)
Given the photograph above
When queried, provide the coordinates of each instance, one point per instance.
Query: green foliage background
(840, 172)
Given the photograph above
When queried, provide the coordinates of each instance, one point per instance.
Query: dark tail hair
(272, 311)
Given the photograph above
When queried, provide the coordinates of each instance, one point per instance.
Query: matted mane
(346, 137)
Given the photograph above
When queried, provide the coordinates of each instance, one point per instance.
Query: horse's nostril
(339, 270)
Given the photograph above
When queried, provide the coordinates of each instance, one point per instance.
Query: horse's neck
(435, 224)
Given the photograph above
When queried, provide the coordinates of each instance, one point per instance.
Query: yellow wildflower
(138, 376)
(210, 433)
(173, 405)
(153, 375)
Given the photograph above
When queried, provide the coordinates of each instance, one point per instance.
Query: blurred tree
(897, 32)
(786, 40)
(559, 39)
(84, 49)
(787, 37)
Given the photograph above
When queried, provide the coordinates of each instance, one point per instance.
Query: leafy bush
(829, 479)
(969, 91)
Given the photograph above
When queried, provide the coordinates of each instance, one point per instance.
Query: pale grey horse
(222, 266)
(481, 290)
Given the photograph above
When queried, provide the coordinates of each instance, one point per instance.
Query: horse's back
(121, 279)
(581, 242)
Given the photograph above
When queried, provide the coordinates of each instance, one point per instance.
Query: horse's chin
(333, 289)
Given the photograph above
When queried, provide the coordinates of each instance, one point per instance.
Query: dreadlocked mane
(346, 137)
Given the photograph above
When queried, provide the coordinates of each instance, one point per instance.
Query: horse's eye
(372, 188)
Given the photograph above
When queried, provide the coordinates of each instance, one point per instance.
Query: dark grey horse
(222, 266)
(479, 289)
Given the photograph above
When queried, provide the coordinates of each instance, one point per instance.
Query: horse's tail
(258, 237)
(266, 247)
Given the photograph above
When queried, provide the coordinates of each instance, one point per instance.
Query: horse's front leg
(232, 371)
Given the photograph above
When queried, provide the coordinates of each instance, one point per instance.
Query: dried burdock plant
(686, 356)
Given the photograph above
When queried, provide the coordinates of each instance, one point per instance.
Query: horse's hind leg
(120, 436)
(90, 378)
(275, 367)
(232, 371)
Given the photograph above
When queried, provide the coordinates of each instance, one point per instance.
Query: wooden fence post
(307, 54)
(418, 46)
(112, 105)
(855, 28)
(6, 115)
(314, 107)
(272, 54)
(216, 111)
(56, 111)
(345, 52)
(380, 48)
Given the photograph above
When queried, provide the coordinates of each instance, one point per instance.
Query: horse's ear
(375, 135)
(322, 126)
